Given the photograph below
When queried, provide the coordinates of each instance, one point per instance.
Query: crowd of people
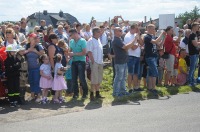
(70, 56)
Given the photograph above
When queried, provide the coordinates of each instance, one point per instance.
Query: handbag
(166, 54)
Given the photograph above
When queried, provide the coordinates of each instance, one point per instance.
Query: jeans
(133, 65)
(34, 80)
(193, 64)
(119, 86)
(78, 70)
(152, 63)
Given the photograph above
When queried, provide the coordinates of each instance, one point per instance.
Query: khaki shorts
(170, 63)
(96, 73)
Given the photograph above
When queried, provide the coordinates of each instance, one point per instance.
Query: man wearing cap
(193, 46)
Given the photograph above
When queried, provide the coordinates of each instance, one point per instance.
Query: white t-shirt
(104, 39)
(176, 29)
(57, 66)
(95, 46)
(21, 37)
(184, 46)
(46, 68)
(7, 43)
(129, 38)
(87, 35)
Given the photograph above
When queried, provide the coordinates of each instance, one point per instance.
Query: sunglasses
(8, 32)
(120, 30)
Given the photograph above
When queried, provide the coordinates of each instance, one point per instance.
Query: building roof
(53, 18)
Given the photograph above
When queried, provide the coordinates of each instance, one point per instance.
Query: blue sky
(100, 9)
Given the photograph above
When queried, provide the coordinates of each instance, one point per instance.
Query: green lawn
(106, 91)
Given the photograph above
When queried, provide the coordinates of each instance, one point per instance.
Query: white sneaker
(30, 99)
(38, 100)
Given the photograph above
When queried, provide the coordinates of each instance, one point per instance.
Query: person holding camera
(120, 59)
(151, 56)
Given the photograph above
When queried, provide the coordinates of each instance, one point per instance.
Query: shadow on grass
(132, 99)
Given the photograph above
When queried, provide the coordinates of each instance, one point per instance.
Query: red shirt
(176, 61)
(169, 45)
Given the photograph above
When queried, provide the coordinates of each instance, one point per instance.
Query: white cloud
(100, 9)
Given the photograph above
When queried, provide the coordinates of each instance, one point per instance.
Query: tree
(190, 15)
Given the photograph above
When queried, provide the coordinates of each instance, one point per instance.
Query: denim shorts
(133, 65)
(152, 63)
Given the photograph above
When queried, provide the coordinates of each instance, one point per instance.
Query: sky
(101, 10)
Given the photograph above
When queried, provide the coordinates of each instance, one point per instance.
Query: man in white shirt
(103, 37)
(95, 53)
(21, 37)
(184, 45)
(176, 29)
(134, 59)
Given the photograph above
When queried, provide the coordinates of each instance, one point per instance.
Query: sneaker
(44, 102)
(75, 96)
(130, 91)
(61, 99)
(154, 91)
(56, 101)
(84, 96)
(12, 105)
(30, 99)
(126, 93)
(38, 100)
(92, 97)
(138, 89)
(99, 97)
(16, 104)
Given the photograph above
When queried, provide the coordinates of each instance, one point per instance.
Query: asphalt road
(179, 113)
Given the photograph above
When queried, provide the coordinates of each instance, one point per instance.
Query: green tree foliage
(190, 15)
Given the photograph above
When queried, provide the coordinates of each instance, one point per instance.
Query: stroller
(3, 89)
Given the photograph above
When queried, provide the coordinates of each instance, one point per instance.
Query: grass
(106, 91)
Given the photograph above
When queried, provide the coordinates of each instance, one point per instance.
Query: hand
(137, 36)
(70, 54)
(49, 77)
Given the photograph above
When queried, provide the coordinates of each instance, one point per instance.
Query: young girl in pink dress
(59, 82)
(46, 79)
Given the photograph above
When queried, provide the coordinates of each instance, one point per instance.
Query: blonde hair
(150, 26)
(61, 43)
(49, 28)
(10, 30)
(10, 25)
(60, 26)
(35, 29)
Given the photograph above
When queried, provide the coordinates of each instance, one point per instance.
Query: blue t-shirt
(68, 73)
(150, 48)
(78, 47)
(33, 59)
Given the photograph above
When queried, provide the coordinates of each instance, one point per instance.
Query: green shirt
(78, 47)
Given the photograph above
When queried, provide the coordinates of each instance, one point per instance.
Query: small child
(46, 79)
(68, 76)
(23, 74)
(12, 66)
(161, 66)
(59, 82)
(182, 68)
